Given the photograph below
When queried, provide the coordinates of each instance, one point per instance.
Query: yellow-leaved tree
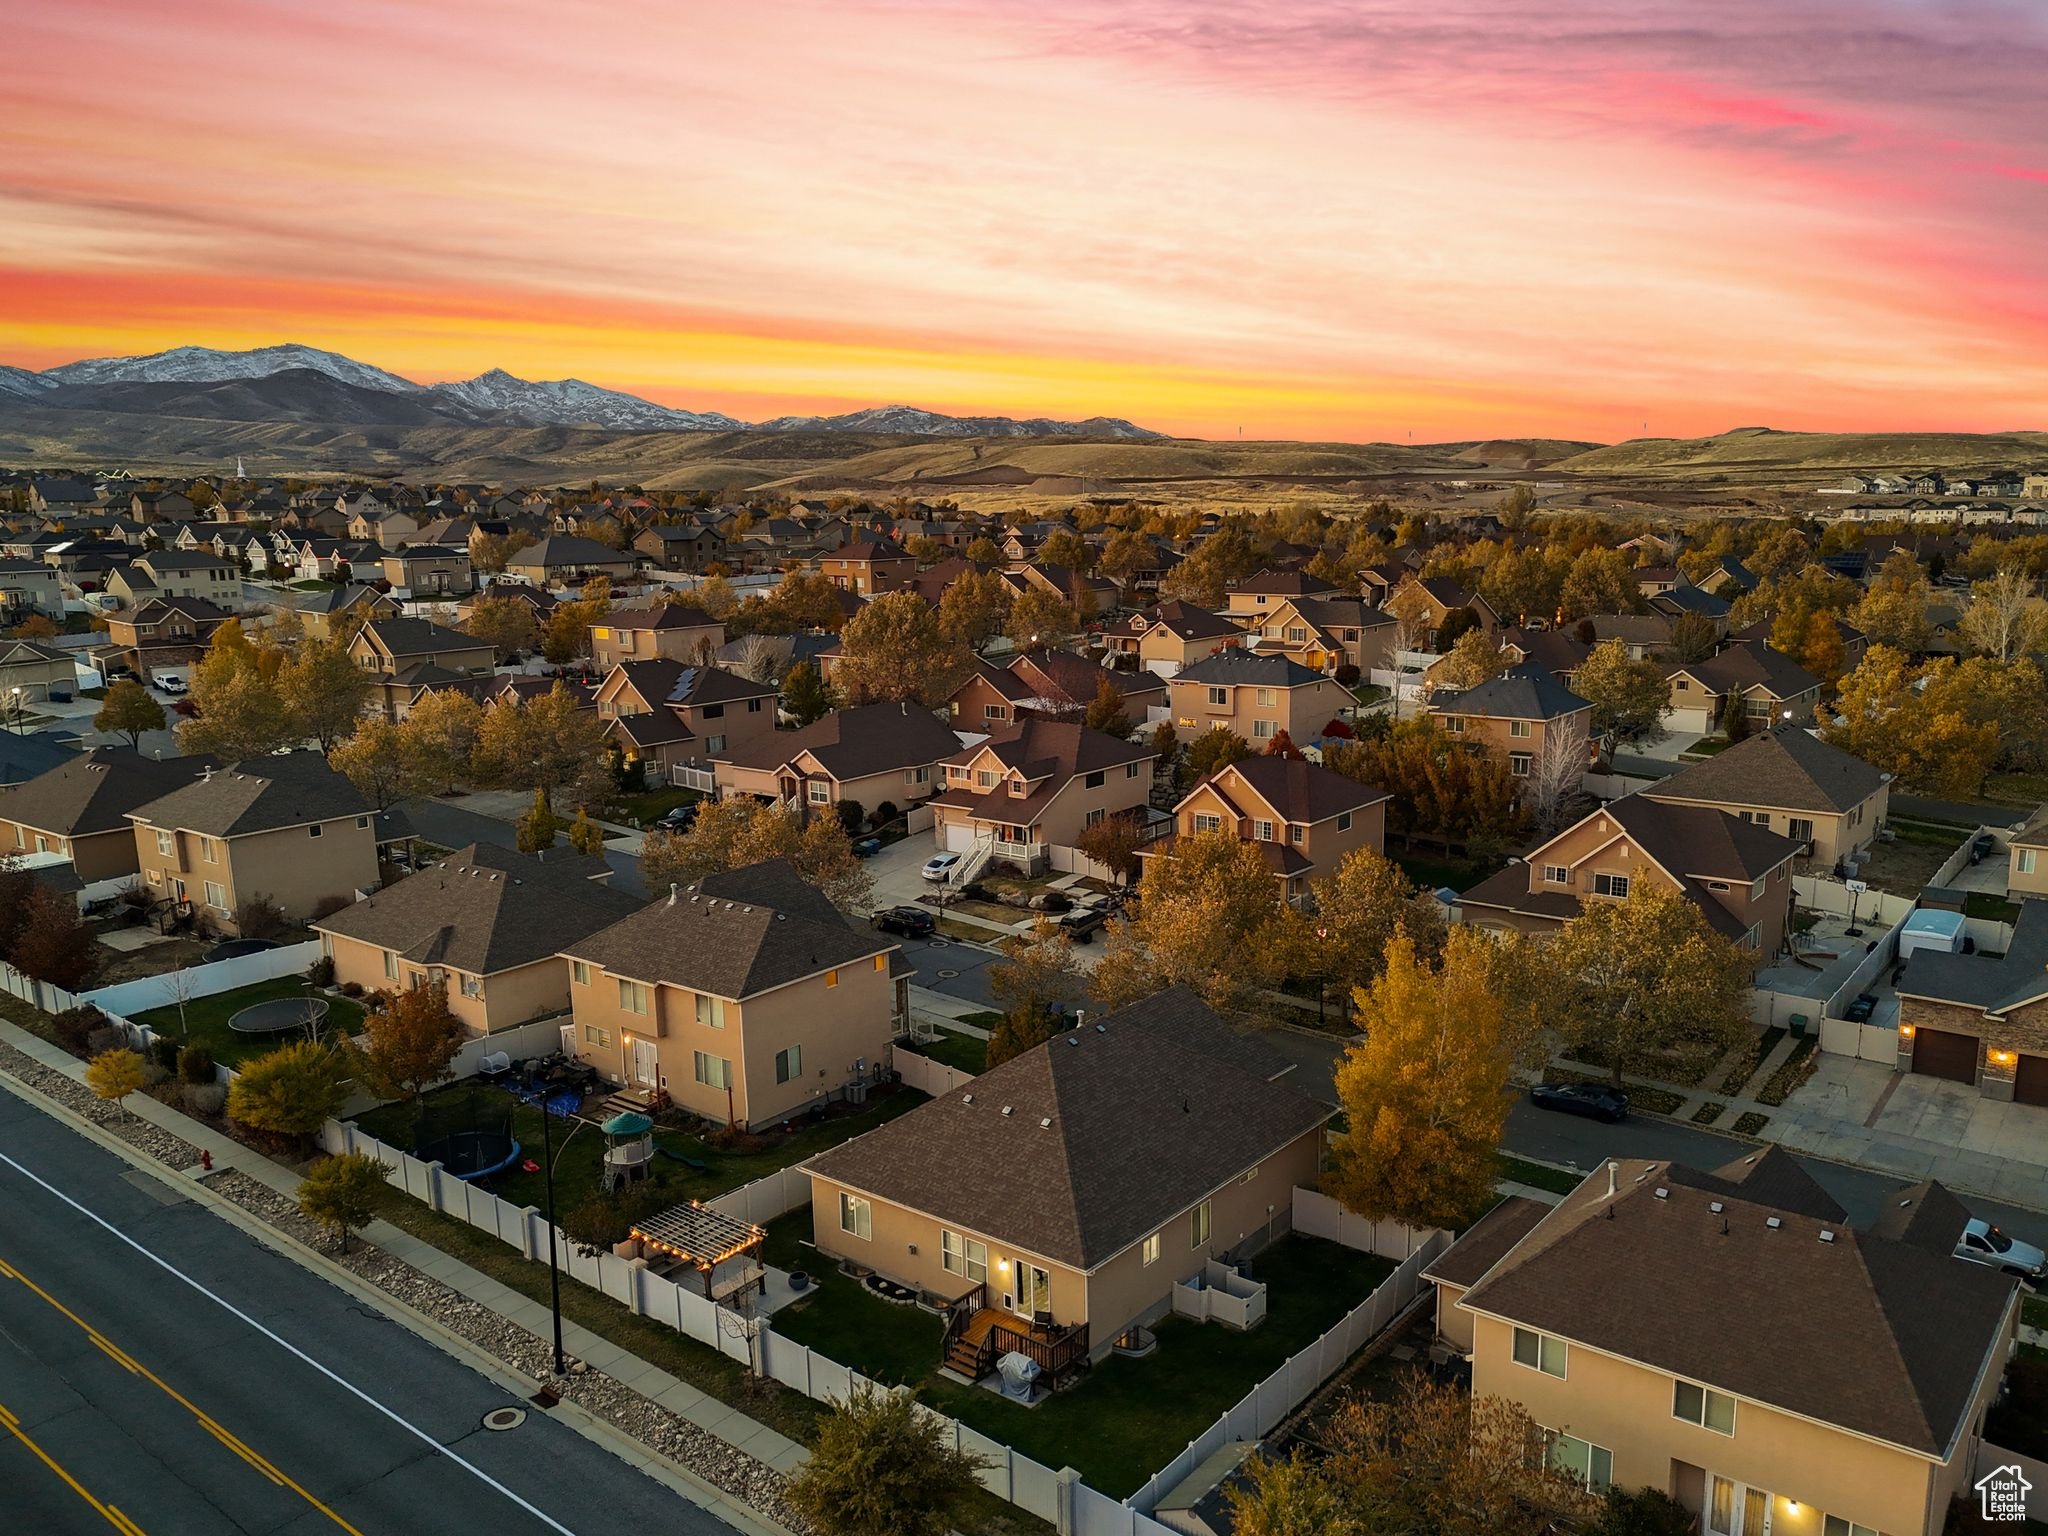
(1425, 1092)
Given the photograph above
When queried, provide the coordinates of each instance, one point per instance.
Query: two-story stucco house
(1519, 715)
(872, 754)
(744, 998)
(671, 714)
(1791, 781)
(80, 808)
(1030, 790)
(666, 631)
(1256, 697)
(1304, 818)
(1729, 1338)
(1174, 635)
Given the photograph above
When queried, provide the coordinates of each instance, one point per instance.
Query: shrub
(106, 1037)
(205, 1100)
(885, 812)
(163, 1052)
(321, 972)
(260, 918)
(113, 1075)
(851, 814)
(342, 1192)
(1347, 674)
(195, 1064)
(289, 1092)
(351, 989)
(74, 1027)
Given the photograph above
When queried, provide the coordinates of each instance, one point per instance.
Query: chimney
(1613, 1168)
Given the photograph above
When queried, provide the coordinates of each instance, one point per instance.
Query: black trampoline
(278, 1015)
(472, 1154)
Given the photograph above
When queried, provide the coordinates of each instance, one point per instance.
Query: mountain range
(300, 384)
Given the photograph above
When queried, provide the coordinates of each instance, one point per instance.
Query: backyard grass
(206, 1019)
(1749, 1124)
(965, 1053)
(2033, 1312)
(313, 585)
(1432, 874)
(1127, 1418)
(1995, 909)
(1559, 1181)
(1797, 1068)
(987, 1018)
(1707, 746)
(1745, 1069)
(579, 1162)
(652, 804)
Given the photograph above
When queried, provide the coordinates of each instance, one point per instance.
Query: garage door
(1943, 1053)
(2031, 1086)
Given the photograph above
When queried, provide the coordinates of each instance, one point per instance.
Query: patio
(1127, 1417)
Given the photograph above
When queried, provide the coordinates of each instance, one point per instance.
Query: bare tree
(766, 658)
(2005, 620)
(1556, 771)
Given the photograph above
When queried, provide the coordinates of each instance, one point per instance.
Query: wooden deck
(979, 1325)
(971, 1351)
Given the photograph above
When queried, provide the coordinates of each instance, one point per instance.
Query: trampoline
(278, 1015)
(472, 1154)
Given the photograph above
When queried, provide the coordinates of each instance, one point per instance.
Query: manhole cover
(504, 1418)
(947, 975)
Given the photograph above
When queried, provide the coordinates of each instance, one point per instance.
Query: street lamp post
(547, 1140)
(1322, 970)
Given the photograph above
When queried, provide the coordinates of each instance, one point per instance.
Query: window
(601, 1038)
(1454, 725)
(995, 711)
(1611, 885)
(1518, 728)
(1268, 697)
(963, 1256)
(1754, 939)
(1555, 874)
(1297, 834)
(1095, 817)
(1198, 1226)
(818, 792)
(832, 978)
(390, 966)
(1540, 1352)
(713, 1071)
(789, 1064)
(473, 986)
(1263, 730)
(362, 823)
(856, 1217)
(632, 996)
(1094, 781)
(1296, 634)
(713, 711)
(714, 745)
(1263, 831)
(216, 896)
(1343, 821)
(1219, 697)
(316, 830)
(1149, 1254)
(1204, 822)
(579, 972)
(984, 778)
(1835, 1525)
(1131, 770)
(1591, 1464)
(208, 849)
(881, 962)
(2026, 860)
(710, 1011)
(1518, 764)
(164, 843)
(1799, 829)
(1703, 1406)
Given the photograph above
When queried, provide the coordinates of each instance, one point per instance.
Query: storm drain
(504, 1418)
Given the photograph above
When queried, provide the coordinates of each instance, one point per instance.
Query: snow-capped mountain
(571, 402)
(908, 419)
(494, 398)
(205, 365)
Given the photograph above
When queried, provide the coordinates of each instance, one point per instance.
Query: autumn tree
(289, 1092)
(128, 710)
(974, 607)
(341, 1193)
(1438, 787)
(1063, 546)
(728, 834)
(1209, 918)
(1038, 970)
(1910, 723)
(1471, 660)
(715, 595)
(895, 651)
(566, 635)
(1288, 1496)
(881, 1466)
(1113, 842)
(1106, 712)
(1694, 637)
(1360, 907)
(437, 740)
(374, 761)
(241, 712)
(408, 1044)
(113, 1075)
(548, 742)
(585, 835)
(1215, 749)
(984, 551)
(54, 946)
(1041, 618)
(1554, 785)
(1630, 982)
(539, 827)
(1600, 581)
(764, 658)
(807, 696)
(1425, 1092)
(506, 624)
(1893, 611)
(1628, 696)
(322, 692)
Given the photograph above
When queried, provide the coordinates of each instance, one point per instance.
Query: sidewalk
(730, 1426)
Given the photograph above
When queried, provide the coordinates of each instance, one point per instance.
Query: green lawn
(206, 1019)
(579, 1164)
(1707, 746)
(1993, 908)
(967, 1053)
(1127, 1418)
(652, 804)
(1429, 874)
(2027, 789)
(314, 586)
(1557, 1180)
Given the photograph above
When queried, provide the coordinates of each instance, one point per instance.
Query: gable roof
(661, 616)
(1524, 692)
(419, 637)
(1749, 665)
(483, 909)
(1873, 1335)
(855, 743)
(1067, 678)
(259, 795)
(1192, 623)
(1298, 790)
(94, 792)
(1786, 769)
(1699, 840)
(1236, 667)
(1111, 1131)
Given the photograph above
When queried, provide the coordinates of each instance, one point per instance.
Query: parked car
(911, 922)
(1592, 1100)
(1083, 923)
(171, 684)
(60, 695)
(940, 866)
(678, 819)
(1982, 1243)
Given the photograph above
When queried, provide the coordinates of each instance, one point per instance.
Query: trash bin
(1798, 1026)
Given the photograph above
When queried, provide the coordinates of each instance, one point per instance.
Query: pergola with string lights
(708, 1240)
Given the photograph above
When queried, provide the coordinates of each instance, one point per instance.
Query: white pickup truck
(172, 683)
(1982, 1243)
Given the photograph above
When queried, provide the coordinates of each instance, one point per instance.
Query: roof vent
(1045, 1124)
(1006, 1109)
(673, 892)
(1716, 1207)
(1102, 1029)
(966, 1098)
(1826, 1236)
(1773, 1223)
(1073, 1039)
(1663, 1193)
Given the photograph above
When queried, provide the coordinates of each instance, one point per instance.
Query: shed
(1932, 928)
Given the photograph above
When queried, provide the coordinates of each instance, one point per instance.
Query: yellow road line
(107, 1512)
(239, 1448)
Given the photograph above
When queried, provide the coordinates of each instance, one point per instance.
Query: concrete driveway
(895, 872)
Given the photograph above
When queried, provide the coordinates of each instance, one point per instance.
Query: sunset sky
(1366, 220)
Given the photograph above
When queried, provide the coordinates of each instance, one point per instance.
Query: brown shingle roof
(1302, 791)
(257, 796)
(1111, 1132)
(1786, 769)
(854, 743)
(95, 792)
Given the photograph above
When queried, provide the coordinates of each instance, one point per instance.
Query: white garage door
(959, 837)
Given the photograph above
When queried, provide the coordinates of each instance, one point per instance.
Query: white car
(1982, 1243)
(940, 866)
(172, 684)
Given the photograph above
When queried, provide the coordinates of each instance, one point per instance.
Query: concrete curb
(598, 1431)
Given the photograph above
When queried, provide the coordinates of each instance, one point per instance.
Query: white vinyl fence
(1056, 1496)
(209, 980)
(927, 1076)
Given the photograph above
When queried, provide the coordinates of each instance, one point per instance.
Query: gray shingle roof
(1785, 769)
(260, 795)
(1992, 983)
(96, 791)
(1873, 1335)
(1525, 692)
(1233, 666)
(1112, 1131)
(420, 637)
(483, 909)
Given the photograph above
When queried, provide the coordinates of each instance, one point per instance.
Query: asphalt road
(1558, 1138)
(162, 1372)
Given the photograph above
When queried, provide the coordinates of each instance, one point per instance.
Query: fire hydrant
(205, 1161)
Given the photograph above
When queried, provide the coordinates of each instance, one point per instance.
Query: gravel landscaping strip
(149, 1139)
